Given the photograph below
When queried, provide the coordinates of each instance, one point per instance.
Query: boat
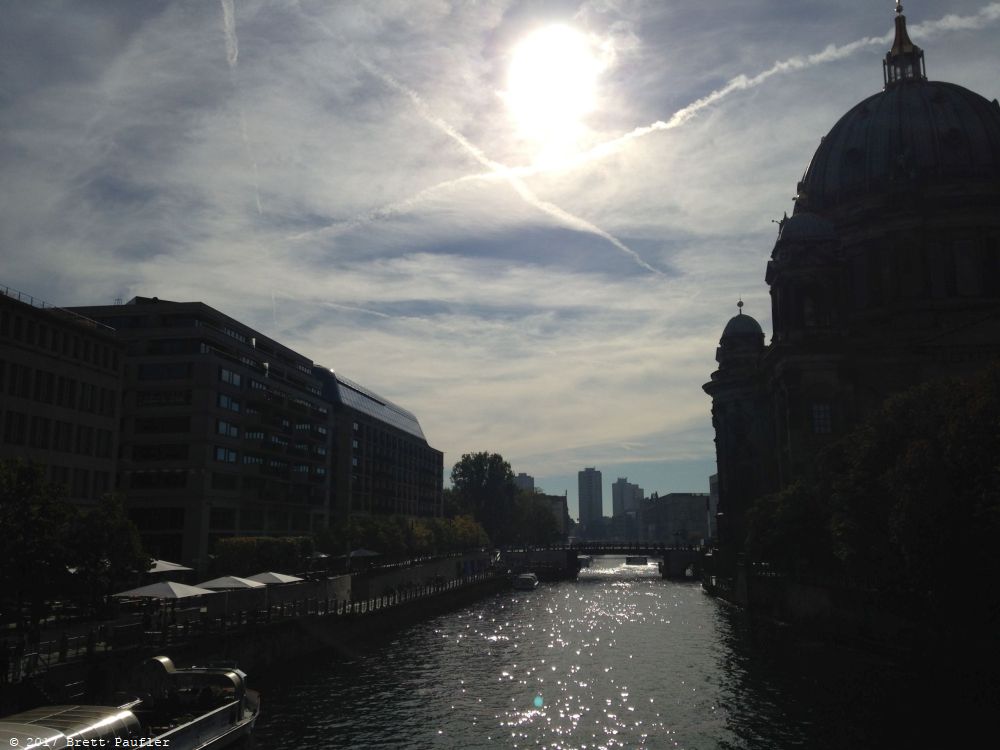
(635, 560)
(200, 708)
(526, 582)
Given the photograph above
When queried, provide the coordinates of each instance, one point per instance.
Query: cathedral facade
(887, 274)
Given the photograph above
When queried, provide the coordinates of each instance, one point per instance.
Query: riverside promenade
(86, 661)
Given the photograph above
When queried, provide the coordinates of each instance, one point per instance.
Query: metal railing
(22, 662)
(43, 305)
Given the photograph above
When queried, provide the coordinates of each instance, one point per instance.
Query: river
(617, 659)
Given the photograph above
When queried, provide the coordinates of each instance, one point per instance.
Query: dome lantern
(905, 60)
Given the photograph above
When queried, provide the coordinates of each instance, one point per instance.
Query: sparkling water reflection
(617, 659)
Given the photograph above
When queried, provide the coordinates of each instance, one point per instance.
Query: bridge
(560, 561)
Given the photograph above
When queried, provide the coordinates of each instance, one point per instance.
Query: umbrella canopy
(166, 590)
(231, 582)
(364, 553)
(273, 578)
(163, 566)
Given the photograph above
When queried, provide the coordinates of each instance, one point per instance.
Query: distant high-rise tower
(625, 497)
(525, 482)
(590, 496)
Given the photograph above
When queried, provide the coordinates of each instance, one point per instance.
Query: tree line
(908, 501)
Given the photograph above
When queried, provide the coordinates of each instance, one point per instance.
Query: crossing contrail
(986, 15)
(232, 57)
(515, 182)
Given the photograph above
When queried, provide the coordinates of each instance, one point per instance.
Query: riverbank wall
(298, 621)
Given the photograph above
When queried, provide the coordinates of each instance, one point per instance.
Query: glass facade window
(228, 429)
(230, 377)
(226, 455)
(228, 402)
(822, 419)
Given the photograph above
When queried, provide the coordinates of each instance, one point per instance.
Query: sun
(552, 86)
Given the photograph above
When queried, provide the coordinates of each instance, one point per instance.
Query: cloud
(386, 221)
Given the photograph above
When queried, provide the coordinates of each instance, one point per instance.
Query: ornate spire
(905, 61)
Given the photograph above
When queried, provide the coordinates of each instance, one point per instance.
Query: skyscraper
(590, 496)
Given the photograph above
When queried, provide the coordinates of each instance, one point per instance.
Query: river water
(617, 659)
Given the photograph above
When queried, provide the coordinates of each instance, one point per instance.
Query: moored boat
(636, 560)
(201, 708)
(525, 581)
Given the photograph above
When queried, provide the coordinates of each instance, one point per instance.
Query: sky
(526, 222)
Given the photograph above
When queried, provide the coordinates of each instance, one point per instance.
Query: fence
(179, 627)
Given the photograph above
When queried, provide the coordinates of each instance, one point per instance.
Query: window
(822, 419)
(62, 436)
(103, 443)
(320, 450)
(226, 455)
(162, 398)
(40, 432)
(250, 459)
(15, 428)
(172, 452)
(84, 440)
(300, 468)
(164, 371)
(225, 481)
(146, 425)
(227, 428)
(234, 334)
(228, 402)
(159, 479)
(254, 435)
(230, 377)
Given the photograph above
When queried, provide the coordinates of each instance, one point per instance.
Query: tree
(484, 484)
(535, 523)
(106, 550)
(34, 518)
(909, 500)
(245, 555)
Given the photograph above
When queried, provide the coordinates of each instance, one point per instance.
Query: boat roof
(55, 726)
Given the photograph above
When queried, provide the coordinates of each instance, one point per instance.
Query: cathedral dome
(741, 326)
(916, 131)
(806, 227)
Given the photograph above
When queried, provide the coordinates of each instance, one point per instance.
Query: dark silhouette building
(60, 388)
(224, 431)
(383, 463)
(227, 432)
(887, 274)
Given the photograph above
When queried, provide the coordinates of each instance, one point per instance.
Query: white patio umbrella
(273, 578)
(165, 566)
(231, 582)
(166, 590)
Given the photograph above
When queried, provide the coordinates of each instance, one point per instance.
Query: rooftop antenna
(739, 306)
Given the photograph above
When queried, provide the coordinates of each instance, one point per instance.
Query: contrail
(988, 14)
(515, 182)
(229, 29)
(232, 57)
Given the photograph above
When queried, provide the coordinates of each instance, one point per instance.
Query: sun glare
(552, 86)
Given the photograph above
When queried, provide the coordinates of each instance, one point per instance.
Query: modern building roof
(365, 401)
